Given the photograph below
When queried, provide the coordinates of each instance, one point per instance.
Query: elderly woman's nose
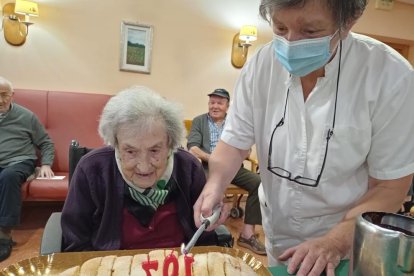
(143, 160)
(143, 167)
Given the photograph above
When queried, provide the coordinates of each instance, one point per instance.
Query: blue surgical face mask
(303, 56)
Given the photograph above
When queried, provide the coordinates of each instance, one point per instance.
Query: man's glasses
(5, 96)
(287, 174)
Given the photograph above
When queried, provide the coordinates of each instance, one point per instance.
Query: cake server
(205, 223)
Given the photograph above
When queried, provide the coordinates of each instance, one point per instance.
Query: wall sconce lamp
(16, 20)
(241, 43)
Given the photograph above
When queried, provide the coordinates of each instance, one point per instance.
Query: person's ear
(347, 28)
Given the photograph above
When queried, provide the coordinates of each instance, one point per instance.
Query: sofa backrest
(66, 116)
(35, 100)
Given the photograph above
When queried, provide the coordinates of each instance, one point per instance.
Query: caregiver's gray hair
(140, 108)
(343, 11)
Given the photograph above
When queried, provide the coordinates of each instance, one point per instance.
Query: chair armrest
(254, 162)
(52, 235)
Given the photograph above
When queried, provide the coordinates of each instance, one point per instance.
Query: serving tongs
(205, 223)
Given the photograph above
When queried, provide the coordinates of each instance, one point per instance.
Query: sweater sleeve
(42, 140)
(199, 136)
(77, 214)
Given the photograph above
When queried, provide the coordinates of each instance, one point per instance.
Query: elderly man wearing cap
(204, 135)
(21, 134)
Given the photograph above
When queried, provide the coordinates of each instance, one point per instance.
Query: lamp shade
(248, 33)
(26, 8)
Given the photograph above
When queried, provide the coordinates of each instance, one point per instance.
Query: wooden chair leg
(235, 199)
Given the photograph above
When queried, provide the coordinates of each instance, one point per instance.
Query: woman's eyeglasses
(287, 174)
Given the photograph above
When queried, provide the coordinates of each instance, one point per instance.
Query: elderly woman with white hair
(139, 191)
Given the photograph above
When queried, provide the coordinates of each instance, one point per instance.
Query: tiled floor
(34, 217)
(29, 233)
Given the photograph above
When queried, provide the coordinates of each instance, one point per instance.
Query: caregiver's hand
(314, 256)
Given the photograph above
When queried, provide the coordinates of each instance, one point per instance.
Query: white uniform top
(373, 135)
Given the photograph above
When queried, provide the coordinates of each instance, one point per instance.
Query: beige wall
(395, 26)
(74, 45)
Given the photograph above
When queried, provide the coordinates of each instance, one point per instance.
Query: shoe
(5, 248)
(253, 244)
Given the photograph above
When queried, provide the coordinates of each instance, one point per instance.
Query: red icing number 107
(170, 260)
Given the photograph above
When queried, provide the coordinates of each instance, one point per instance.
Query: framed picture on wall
(136, 47)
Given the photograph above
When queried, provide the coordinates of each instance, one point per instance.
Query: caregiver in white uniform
(331, 113)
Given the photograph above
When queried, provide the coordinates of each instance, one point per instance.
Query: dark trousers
(11, 180)
(249, 181)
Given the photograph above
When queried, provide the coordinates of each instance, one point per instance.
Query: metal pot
(383, 245)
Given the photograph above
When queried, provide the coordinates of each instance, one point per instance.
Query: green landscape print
(136, 47)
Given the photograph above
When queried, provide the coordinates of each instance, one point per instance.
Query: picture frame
(136, 47)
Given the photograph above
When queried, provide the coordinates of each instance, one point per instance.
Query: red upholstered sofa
(66, 116)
